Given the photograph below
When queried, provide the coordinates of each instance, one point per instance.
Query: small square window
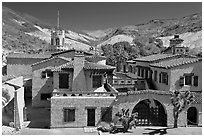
(97, 81)
(188, 80)
(69, 114)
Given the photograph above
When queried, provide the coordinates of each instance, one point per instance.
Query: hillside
(190, 28)
(25, 33)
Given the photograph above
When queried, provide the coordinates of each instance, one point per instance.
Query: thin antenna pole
(58, 24)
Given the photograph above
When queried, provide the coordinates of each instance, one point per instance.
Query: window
(64, 80)
(142, 75)
(146, 73)
(124, 68)
(45, 96)
(130, 69)
(47, 73)
(164, 78)
(106, 114)
(43, 74)
(155, 75)
(159, 77)
(52, 42)
(195, 81)
(188, 79)
(181, 81)
(69, 114)
(57, 41)
(139, 71)
(97, 81)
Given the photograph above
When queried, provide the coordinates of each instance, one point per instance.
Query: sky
(78, 16)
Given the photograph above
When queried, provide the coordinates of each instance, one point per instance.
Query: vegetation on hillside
(123, 51)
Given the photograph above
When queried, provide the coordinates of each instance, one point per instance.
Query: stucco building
(173, 70)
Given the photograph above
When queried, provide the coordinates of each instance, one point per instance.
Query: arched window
(57, 41)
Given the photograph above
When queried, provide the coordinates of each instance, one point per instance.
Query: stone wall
(121, 101)
(80, 104)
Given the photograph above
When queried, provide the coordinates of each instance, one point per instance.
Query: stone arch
(151, 112)
(192, 116)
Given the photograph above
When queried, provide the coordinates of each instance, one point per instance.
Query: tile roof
(70, 50)
(69, 65)
(24, 55)
(87, 66)
(94, 66)
(155, 57)
(175, 62)
(67, 59)
(95, 58)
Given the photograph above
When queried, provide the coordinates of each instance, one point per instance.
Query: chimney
(79, 80)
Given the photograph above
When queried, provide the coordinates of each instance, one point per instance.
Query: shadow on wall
(46, 88)
(8, 113)
(40, 118)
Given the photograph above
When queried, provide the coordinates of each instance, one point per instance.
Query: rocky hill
(25, 33)
(189, 27)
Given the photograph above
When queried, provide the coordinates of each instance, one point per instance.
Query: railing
(83, 94)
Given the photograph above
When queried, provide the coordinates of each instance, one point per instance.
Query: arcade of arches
(155, 109)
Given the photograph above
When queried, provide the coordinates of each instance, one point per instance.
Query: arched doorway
(192, 116)
(150, 113)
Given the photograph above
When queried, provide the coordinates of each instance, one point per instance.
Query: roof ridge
(37, 63)
(175, 62)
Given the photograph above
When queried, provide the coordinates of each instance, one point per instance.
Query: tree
(180, 101)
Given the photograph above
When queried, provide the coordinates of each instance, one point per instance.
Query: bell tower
(176, 45)
(57, 37)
